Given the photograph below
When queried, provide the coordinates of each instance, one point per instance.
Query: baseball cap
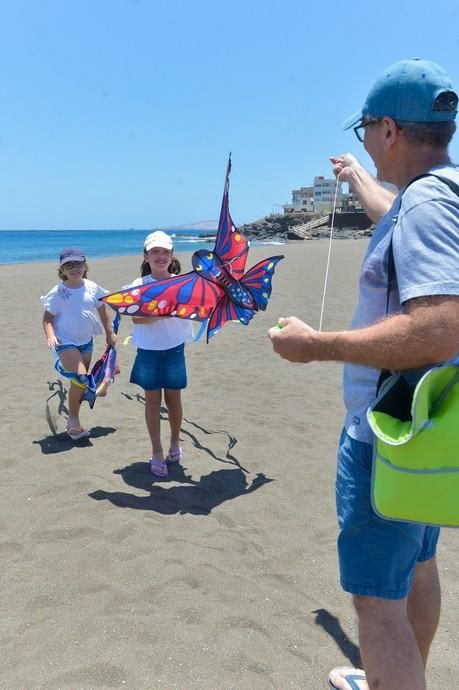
(71, 254)
(408, 91)
(158, 239)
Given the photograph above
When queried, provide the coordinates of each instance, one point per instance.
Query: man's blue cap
(407, 91)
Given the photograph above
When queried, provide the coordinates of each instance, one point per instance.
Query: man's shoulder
(432, 186)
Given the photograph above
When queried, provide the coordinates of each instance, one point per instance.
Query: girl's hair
(63, 277)
(174, 267)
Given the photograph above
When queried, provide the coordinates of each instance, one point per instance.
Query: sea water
(30, 246)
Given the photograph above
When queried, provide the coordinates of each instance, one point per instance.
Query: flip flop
(77, 432)
(174, 455)
(349, 678)
(158, 467)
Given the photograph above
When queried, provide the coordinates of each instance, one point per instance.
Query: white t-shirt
(74, 309)
(163, 333)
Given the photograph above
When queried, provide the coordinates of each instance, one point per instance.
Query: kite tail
(83, 381)
(201, 331)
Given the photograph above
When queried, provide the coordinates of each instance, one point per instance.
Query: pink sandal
(158, 467)
(174, 455)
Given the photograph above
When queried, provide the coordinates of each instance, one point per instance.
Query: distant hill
(200, 225)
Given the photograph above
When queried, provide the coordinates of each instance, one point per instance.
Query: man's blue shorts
(155, 369)
(87, 347)
(376, 557)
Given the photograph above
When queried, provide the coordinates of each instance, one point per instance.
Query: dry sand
(224, 576)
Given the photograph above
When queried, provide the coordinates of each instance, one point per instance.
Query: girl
(70, 322)
(160, 359)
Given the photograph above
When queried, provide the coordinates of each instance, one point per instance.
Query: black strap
(391, 274)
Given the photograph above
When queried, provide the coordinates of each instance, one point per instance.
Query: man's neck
(417, 161)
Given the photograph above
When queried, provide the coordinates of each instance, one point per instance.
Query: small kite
(217, 290)
(102, 374)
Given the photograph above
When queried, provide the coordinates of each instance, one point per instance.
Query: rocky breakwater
(275, 226)
(282, 228)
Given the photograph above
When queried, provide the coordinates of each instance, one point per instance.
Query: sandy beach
(223, 576)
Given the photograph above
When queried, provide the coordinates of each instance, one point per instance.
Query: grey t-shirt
(424, 224)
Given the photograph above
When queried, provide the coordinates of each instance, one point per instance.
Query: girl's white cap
(158, 239)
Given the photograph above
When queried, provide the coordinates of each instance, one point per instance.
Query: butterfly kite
(102, 374)
(217, 290)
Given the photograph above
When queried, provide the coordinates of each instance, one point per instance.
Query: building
(317, 198)
(324, 193)
(302, 200)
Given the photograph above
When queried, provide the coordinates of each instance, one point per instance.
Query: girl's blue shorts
(376, 557)
(87, 347)
(155, 369)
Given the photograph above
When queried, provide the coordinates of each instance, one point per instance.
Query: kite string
(329, 254)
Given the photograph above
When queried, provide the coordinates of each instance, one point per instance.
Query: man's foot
(174, 455)
(346, 678)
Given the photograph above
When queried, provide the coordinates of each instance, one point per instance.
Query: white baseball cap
(158, 239)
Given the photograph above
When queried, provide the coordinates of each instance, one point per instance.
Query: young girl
(70, 322)
(160, 361)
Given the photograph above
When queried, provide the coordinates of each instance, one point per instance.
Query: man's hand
(345, 167)
(295, 341)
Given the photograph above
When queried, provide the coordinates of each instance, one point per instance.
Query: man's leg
(424, 603)
(390, 653)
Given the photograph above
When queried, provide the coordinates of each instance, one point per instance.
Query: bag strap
(391, 273)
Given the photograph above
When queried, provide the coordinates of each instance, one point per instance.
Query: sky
(122, 113)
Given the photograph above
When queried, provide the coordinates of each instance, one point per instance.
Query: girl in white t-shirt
(73, 315)
(160, 361)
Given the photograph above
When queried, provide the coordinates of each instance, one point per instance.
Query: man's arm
(375, 199)
(427, 332)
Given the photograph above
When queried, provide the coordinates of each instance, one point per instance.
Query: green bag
(415, 475)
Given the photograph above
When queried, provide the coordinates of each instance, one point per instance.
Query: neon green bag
(415, 474)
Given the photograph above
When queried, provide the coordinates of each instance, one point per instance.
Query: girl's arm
(48, 327)
(146, 319)
(105, 317)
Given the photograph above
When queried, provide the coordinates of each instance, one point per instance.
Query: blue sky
(121, 113)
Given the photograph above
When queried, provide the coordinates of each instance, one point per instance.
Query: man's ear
(390, 131)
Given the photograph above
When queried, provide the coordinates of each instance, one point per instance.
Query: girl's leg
(75, 361)
(153, 421)
(173, 400)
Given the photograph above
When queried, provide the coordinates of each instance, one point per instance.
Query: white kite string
(329, 255)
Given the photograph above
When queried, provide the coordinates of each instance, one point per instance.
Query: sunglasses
(360, 129)
(72, 264)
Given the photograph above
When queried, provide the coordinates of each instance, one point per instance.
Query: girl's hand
(52, 342)
(111, 338)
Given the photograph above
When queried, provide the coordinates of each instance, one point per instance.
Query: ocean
(31, 246)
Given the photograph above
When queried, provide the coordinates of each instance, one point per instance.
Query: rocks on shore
(277, 227)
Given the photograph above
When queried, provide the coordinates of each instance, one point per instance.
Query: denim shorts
(377, 557)
(87, 347)
(155, 369)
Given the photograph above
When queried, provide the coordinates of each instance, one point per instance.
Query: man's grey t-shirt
(424, 225)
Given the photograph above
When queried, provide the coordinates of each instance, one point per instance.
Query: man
(406, 125)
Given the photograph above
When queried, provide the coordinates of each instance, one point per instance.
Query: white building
(302, 200)
(324, 193)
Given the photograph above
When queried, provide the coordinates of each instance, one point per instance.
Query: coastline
(223, 576)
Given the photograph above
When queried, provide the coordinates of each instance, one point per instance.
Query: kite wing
(188, 296)
(230, 246)
(103, 371)
(227, 310)
(258, 280)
